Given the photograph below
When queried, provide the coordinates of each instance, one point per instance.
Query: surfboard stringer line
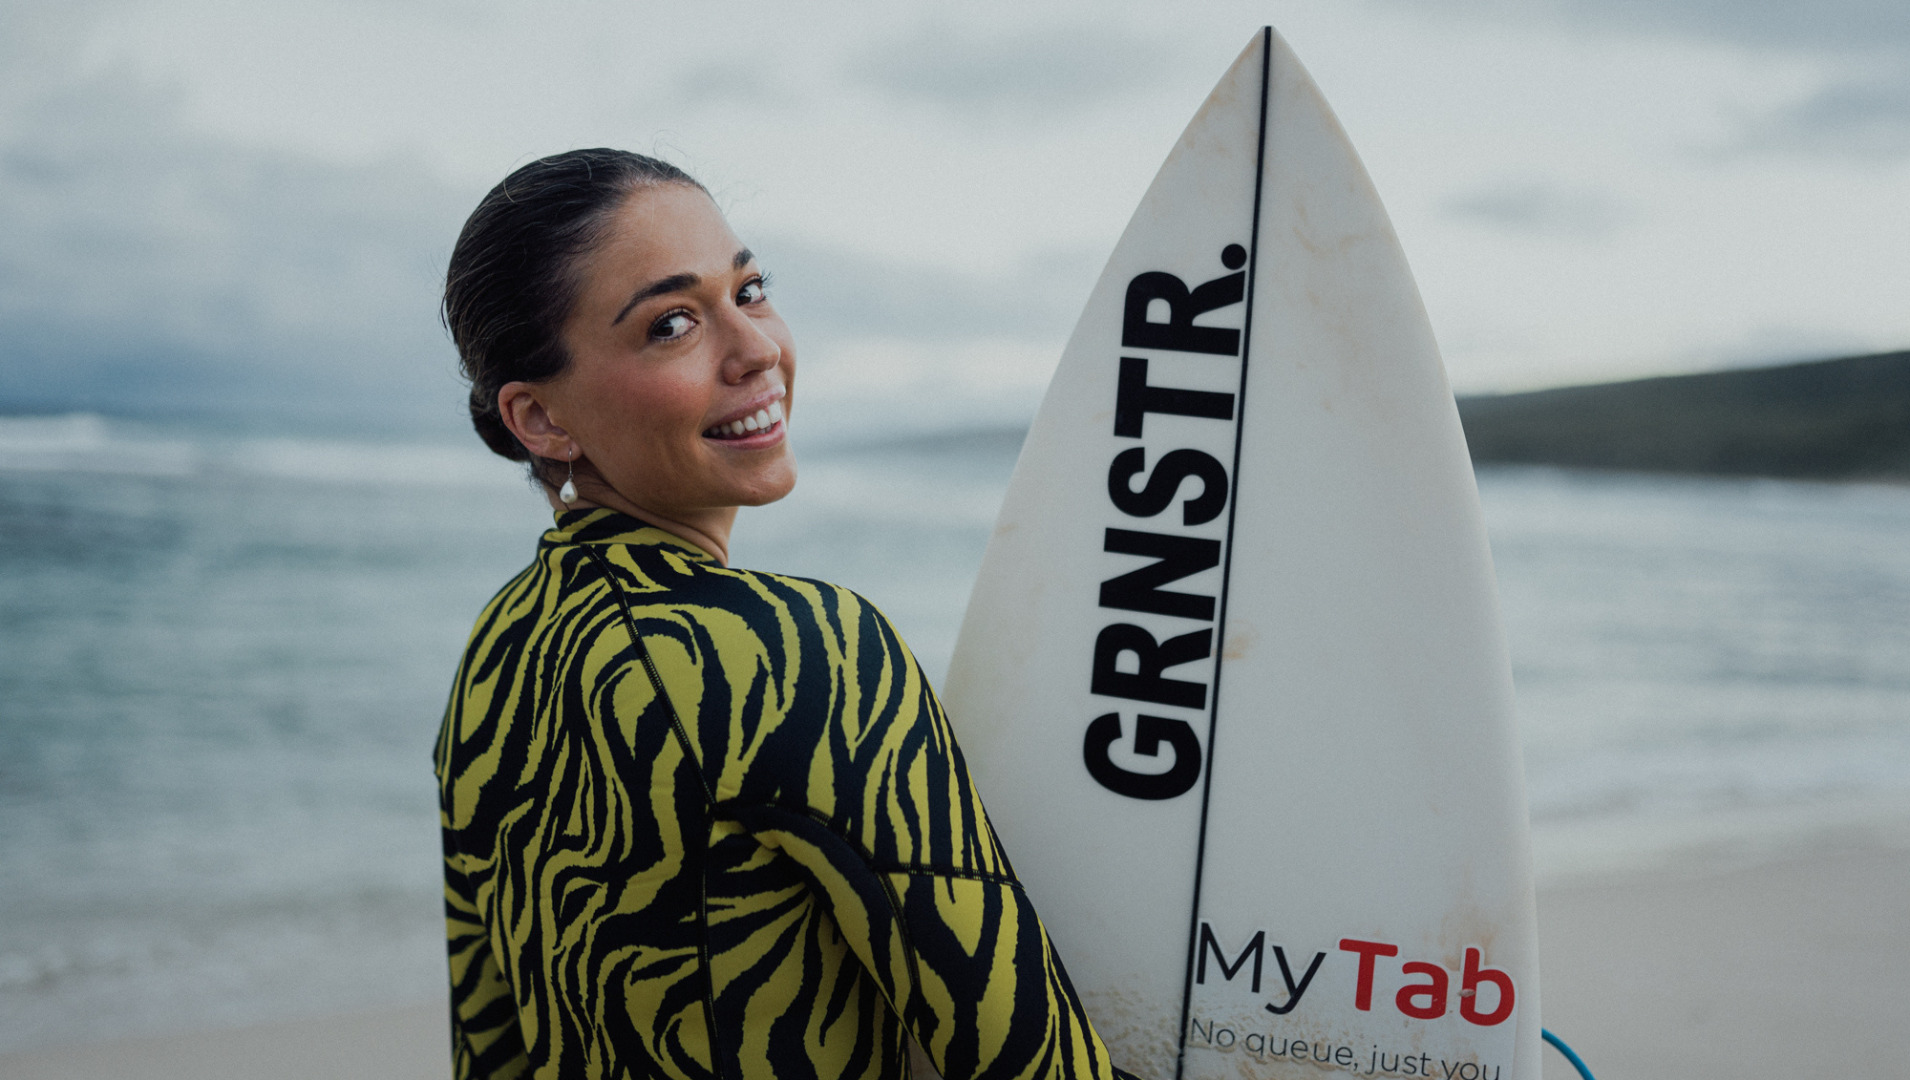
(1226, 566)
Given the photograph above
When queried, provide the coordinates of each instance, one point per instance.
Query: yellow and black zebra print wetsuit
(704, 822)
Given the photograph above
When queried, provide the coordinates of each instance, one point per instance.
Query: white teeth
(763, 419)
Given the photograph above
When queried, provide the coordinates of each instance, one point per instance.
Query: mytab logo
(1485, 996)
(1147, 477)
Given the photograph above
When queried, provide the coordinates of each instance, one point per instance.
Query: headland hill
(1845, 419)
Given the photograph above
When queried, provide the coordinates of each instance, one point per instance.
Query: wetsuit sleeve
(962, 957)
(485, 1038)
(856, 777)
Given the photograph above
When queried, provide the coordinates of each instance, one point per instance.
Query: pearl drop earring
(568, 493)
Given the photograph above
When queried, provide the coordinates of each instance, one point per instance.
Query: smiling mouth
(761, 420)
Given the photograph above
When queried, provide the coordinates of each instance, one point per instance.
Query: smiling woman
(677, 362)
(698, 821)
(616, 332)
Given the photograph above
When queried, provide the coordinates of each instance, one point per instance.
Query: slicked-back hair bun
(513, 276)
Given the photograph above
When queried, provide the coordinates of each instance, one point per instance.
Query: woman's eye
(754, 291)
(672, 326)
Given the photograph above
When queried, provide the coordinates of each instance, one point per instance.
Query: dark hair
(513, 274)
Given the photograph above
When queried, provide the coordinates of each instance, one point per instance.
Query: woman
(698, 821)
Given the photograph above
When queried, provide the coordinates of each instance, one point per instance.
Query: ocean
(223, 660)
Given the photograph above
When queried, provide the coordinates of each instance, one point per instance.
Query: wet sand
(1793, 968)
(407, 1043)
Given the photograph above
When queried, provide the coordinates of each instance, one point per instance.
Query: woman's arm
(854, 775)
(962, 957)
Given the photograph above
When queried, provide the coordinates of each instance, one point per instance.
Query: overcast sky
(248, 206)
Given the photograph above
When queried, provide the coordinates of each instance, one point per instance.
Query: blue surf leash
(1570, 1054)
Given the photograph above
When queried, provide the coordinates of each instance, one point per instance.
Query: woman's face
(680, 369)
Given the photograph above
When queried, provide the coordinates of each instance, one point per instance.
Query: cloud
(1048, 73)
(752, 82)
(1540, 207)
(1787, 25)
(838, 294)
(1865, 118)
(1863, 114)
(1781, 24)
(150, 268)
(1859, 108)
(153, 269)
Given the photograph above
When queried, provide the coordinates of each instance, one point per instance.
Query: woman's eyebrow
(674, 282)
(656, 288)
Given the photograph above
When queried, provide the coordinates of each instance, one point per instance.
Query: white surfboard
(1232, 680)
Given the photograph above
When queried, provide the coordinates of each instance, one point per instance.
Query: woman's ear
(522, 411)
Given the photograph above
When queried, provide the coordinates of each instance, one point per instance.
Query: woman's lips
(761, 421)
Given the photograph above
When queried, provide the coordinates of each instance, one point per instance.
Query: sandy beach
(391, 1044)
(1791, 968)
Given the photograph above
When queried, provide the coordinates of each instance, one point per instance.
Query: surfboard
(1232, 680)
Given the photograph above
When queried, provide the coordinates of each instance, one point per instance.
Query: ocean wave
(90, 443)
(350, 462)
(93, 444)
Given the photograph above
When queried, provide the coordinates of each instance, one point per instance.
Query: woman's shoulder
(823, 603)
(655, 578)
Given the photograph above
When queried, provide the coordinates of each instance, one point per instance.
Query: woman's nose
(751, 349)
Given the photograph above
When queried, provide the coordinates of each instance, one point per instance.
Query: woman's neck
(707, 529)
